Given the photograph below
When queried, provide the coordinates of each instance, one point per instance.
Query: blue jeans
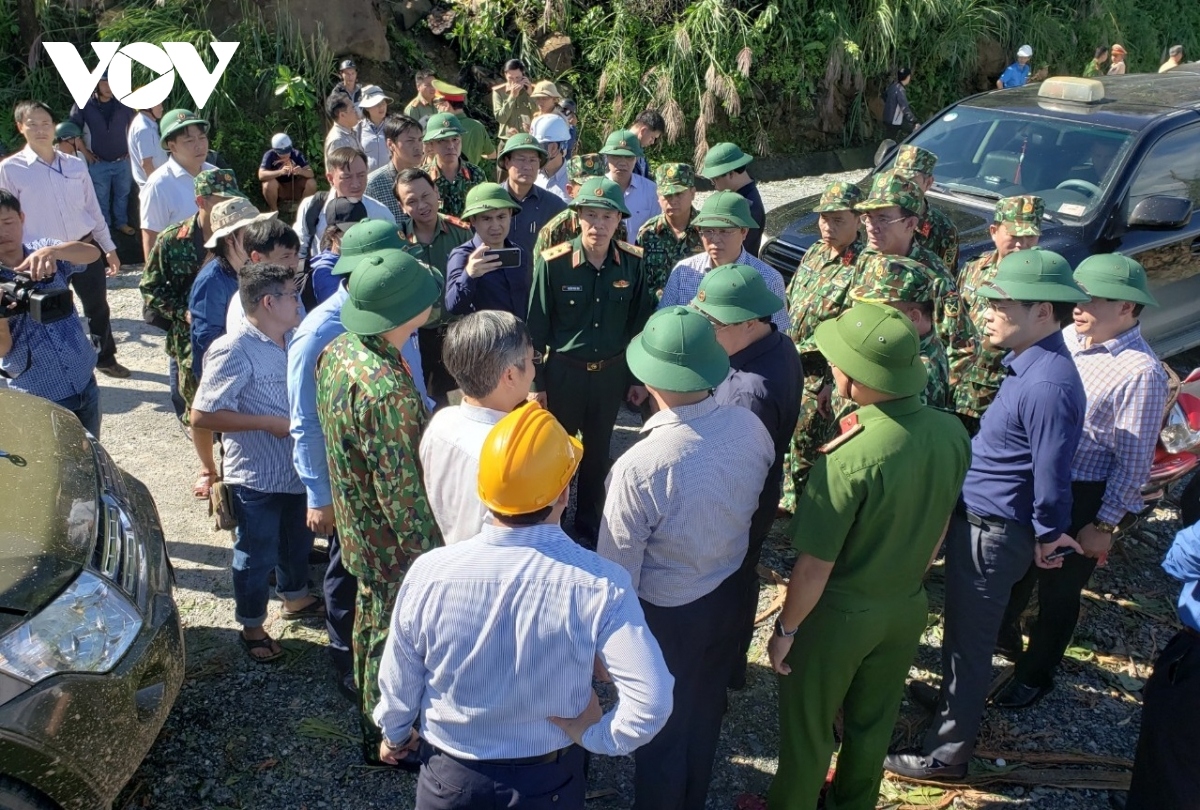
(272, 532)
(112, 180)
(86, 406)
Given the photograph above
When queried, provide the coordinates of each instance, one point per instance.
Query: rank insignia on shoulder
(453, 220)
(632, 250)
(847, 435)
(559, 250)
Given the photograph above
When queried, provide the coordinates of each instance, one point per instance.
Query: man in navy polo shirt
(764, 376)
(1016, 501)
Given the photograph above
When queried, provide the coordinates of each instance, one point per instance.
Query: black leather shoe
(1017, 695)
(347, 689)
(924, 695)
(915, 765)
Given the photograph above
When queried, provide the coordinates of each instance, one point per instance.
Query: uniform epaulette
(632, 250)
(561, 249)
(184, 232)
(838, 441)
(453, 220)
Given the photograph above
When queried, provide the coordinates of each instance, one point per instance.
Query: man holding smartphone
(489, 270)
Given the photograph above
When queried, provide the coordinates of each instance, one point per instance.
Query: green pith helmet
(1034, 275)
(1115, 277)
(362, 239)
(723, 159)
(725, 209)
(442, 126)
(876, 346)
(175, 120)
(678, 352)
(523, 140)
(623, 143)
(487, 197)
(388, 289)
(735, 293)
(600, 192)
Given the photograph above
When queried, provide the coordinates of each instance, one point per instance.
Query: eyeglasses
(717, 233)
(294, 294)
(875, 222)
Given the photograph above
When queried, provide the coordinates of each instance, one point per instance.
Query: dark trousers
(984, 559)
(438, 382)
(450, 783)
(760, 527)
(1165, 771)
(699, 642)
(341, 591)
(587, 402)
(92, 288)
(1059, 591)
(178, 403)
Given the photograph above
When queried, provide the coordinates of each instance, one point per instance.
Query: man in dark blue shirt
(764, 376)
(474, 278)
(107, 121)
(1016, 501)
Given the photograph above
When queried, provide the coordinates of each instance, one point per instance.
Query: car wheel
(18, 796)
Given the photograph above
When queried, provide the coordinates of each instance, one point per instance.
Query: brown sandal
(202, 489)
(265, 643)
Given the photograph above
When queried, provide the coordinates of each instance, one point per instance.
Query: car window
(1172, 167)
(995, 153)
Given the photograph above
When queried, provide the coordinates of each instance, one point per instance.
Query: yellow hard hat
(526, 462)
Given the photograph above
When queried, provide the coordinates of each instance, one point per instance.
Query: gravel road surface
(279, 736)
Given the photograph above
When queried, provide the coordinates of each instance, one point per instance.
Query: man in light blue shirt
(494, 642)
(317, 331)
(1016, 74)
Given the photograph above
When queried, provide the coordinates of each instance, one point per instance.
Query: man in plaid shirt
(1126, 395)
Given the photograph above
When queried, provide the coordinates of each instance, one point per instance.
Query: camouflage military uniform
(453, 190)
(176, 258)
(661, 248)
(935, 231)
(372, 417)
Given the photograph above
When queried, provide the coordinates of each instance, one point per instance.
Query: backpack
(308, 295)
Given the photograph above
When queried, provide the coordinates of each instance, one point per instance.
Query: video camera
(21, 297)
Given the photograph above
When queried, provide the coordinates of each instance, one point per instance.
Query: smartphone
(1060, 553)
(510, 258)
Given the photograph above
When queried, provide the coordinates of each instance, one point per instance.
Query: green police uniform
(513, 113)
(583, 317)
(817, 292)
(420, 111)
(935, 231)
(475, 140)
(661, 246)
(875, 506)
(976, 375)
(372, 416)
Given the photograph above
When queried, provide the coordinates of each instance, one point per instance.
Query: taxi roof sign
(1071, 88)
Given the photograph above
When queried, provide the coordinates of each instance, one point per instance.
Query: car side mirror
(1161, 211)
(883, 151)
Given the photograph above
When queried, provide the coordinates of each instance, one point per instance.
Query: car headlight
(88, 628)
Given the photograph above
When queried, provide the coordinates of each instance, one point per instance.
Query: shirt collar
(579, 257)
(680, 415)
(246, 327)
(756, 349)
(1020, 363)
(379, 345)
(477, 413)
(1128, 339)
(890, 409)
(540, 535)
(533, 195)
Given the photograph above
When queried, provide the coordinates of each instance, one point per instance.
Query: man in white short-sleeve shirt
(169, 194)
(146, 152)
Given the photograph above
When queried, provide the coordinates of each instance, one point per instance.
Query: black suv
(1117, 161)
(91, 647)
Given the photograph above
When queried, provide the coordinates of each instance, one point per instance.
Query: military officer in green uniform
(908, 287)
(866, 528)
(372, 416)
(818, 291)
(976, 376)
(589, 299)
(453, 175)
(934, 229)
(565, 225)
(670, 236)
(477, 147)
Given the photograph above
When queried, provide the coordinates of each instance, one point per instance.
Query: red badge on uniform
(848, 423)
(620, 284)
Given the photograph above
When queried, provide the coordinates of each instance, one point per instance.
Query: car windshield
(994, 153)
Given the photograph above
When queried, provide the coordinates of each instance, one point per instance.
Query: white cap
(280, 140)
(1025, 51)
(550, 128)
(372, 95)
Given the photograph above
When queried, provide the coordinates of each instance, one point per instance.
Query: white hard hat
(280, 140)
(1025, 51)
(550, 128)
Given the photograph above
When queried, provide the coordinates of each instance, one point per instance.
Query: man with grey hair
(491, 358)
(1174, 58)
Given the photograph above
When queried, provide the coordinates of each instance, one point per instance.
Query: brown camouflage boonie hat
(581, 167)
(840, 195)
(892, 188)
(1021, 215)
(884, 279)
(672, 178)
(217, 183)
(912, 159)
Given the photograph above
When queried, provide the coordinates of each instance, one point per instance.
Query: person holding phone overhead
(489, 271)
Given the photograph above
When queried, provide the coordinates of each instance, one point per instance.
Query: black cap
(344, 212)
(347, 64)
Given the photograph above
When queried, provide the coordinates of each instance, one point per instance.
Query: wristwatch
(779, 631)
(1104, 526)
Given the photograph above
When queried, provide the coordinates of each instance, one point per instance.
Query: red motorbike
(1178, 451)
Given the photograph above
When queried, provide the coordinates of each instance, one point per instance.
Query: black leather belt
(982, 521)
(597, 365)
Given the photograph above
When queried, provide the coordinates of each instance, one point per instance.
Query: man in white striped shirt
(677, 518)
(494, 641)
(723, 222)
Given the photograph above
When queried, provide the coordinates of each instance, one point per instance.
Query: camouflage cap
(912, 159)
(891, 188)
(673, 178)
(1021, 215)
(600, 192)
(217, 183)
(885, 279)
(581, 167)
(840, 195)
